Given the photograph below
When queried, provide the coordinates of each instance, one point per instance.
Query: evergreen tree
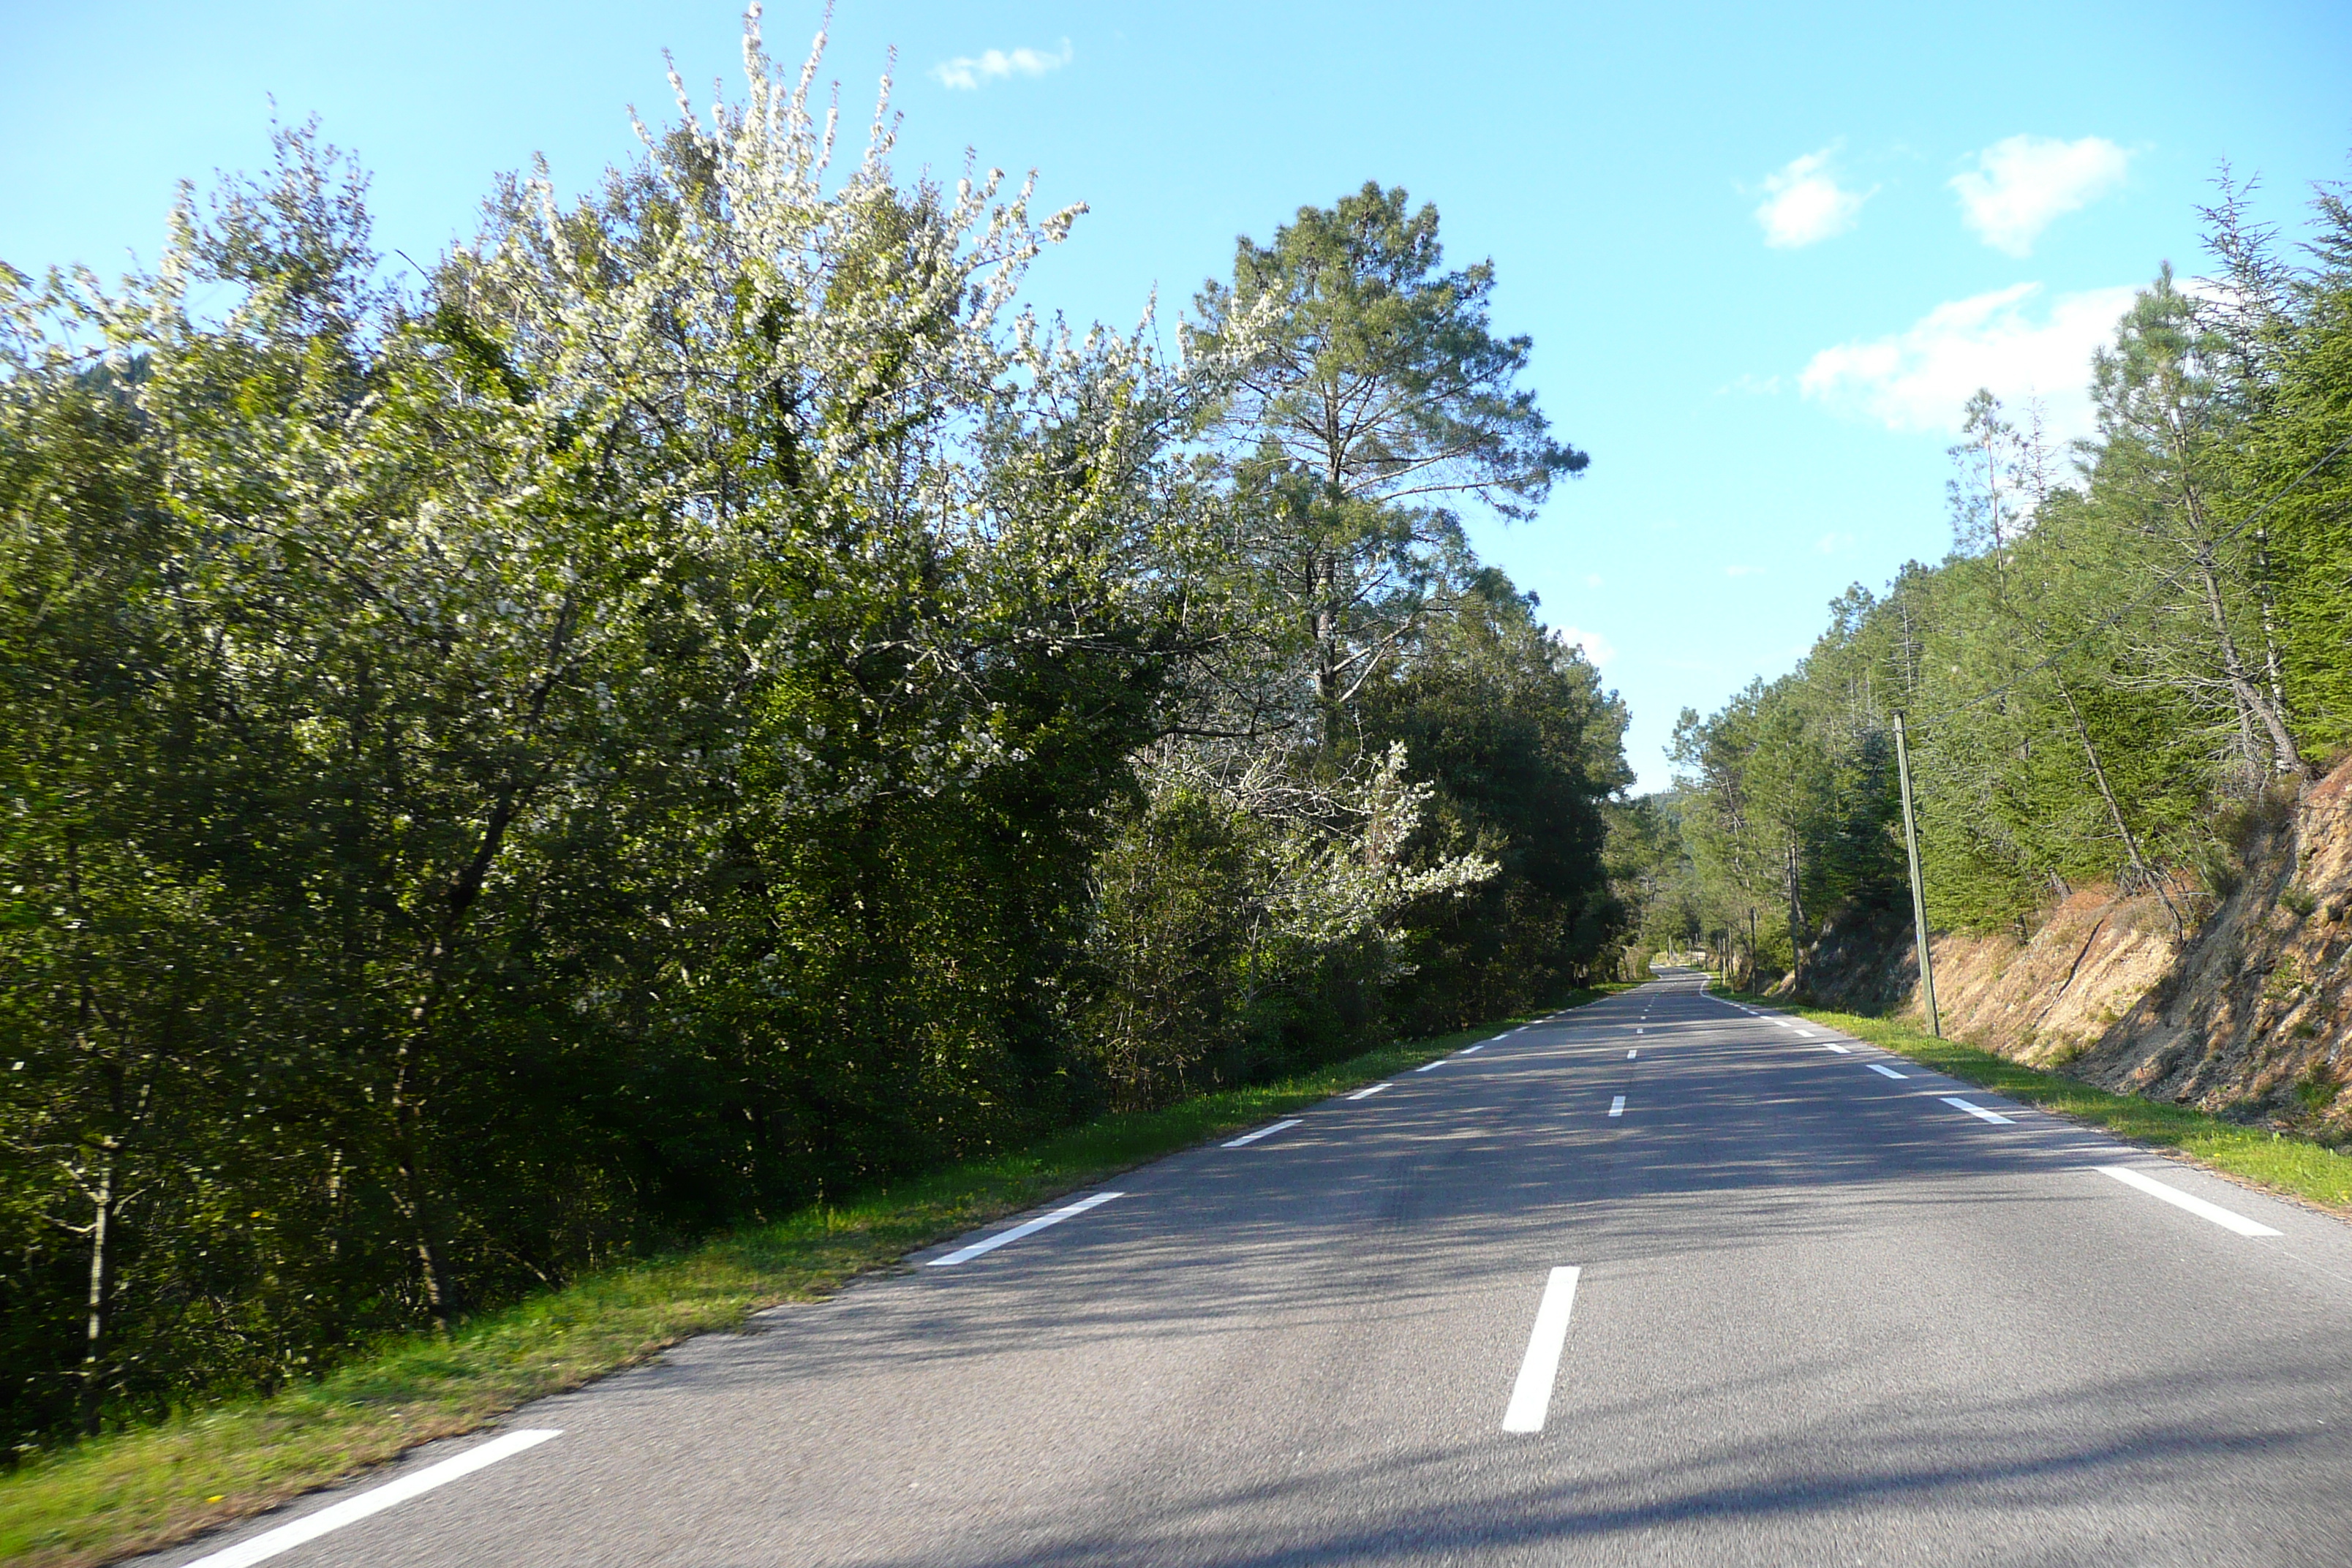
(1367, 397)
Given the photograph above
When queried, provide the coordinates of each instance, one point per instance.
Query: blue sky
(1763, 255)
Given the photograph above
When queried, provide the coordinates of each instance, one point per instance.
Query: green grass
(2284, 1162)
(148, 1487)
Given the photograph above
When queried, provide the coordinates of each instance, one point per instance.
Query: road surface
(1662, 1279)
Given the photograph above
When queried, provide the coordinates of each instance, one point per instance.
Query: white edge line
(1367, 1093)
(1840, 1050)
(2180, 1200)
(1262, 1132)
(1531, 1395)
(375, 1500)
(1617, 1106)
(1479, 1047)
(1979, 1112)
(1432, 1067)
(990, 1244)
(1883, 1068)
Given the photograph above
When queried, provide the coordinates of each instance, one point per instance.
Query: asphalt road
(1818, 1315)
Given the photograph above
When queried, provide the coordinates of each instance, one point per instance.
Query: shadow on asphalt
(1379, 1211)
(2035, 1471)
(1745, 1148)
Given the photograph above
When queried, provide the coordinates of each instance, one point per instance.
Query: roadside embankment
(2242, 1009)
(2043, 1000)
(2284, 1162)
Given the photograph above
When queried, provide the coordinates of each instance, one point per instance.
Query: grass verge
(2281, 1162)
(149, 1486)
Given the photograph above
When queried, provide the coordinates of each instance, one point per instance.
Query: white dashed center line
(1531, 1395)
(1631, 1054)
(1617, 1106)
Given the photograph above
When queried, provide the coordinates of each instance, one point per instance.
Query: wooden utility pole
(1919, 889)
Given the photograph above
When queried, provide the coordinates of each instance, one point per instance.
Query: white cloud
(1804, 204)
(971, 71)
(1919, 378)
(1831, 543)
(1598, 649)
(2021, 184)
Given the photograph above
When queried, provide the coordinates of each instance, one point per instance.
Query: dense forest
(2135, 648)
(699, 701)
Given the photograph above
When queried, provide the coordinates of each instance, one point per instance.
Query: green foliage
(1247, 924)
(1525, 750)
(1786, 810)
(1374, 372)
(1378, 802)
(2302, 442)
(703, 707)
(2107, 679)
(1365, 394)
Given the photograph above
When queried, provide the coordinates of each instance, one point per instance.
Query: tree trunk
(2286, 759)
(412, 1194)
(1796, 923)
(2114, 812)
(103, 1202)
(1323, 624)
(2262, 597)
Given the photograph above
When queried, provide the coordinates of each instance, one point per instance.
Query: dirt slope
(2249, 1015)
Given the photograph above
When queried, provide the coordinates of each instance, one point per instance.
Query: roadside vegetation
(148, 1486)
(2135, 647)
(701, 705)
(2298, 1167)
